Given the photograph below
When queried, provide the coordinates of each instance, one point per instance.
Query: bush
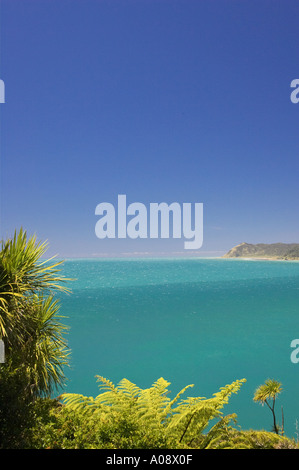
(127, 417)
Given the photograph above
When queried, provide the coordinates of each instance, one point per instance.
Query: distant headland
(279, 251)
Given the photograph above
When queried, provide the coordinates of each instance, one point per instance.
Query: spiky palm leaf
(29, 315)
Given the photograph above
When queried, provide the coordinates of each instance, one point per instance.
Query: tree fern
(143, 417)
(78, 402)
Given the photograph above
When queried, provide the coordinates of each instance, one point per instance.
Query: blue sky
(161, 100)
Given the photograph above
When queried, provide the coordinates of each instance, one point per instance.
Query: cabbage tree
(267, 394)
(30, 325)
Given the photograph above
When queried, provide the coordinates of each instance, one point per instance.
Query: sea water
(196, 321)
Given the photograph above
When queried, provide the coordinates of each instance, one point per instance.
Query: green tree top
(267, 394)
(29, 313)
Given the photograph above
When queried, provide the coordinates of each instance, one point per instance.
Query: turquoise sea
(198, 321)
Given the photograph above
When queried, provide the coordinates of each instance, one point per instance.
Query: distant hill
(265, 251)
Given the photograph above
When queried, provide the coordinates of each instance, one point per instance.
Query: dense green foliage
(148, 418)
(251, 439)
(127, 417)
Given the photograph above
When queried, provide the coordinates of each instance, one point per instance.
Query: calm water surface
(205, 322)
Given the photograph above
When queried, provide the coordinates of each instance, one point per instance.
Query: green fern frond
(161, 385)
(106, 384)
(78, 402)
(217, 431)
(168, 409)
(129, 388)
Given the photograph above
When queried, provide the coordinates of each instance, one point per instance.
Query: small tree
(267, 394)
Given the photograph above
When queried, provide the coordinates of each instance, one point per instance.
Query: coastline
(254, 258)
(155, 256)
